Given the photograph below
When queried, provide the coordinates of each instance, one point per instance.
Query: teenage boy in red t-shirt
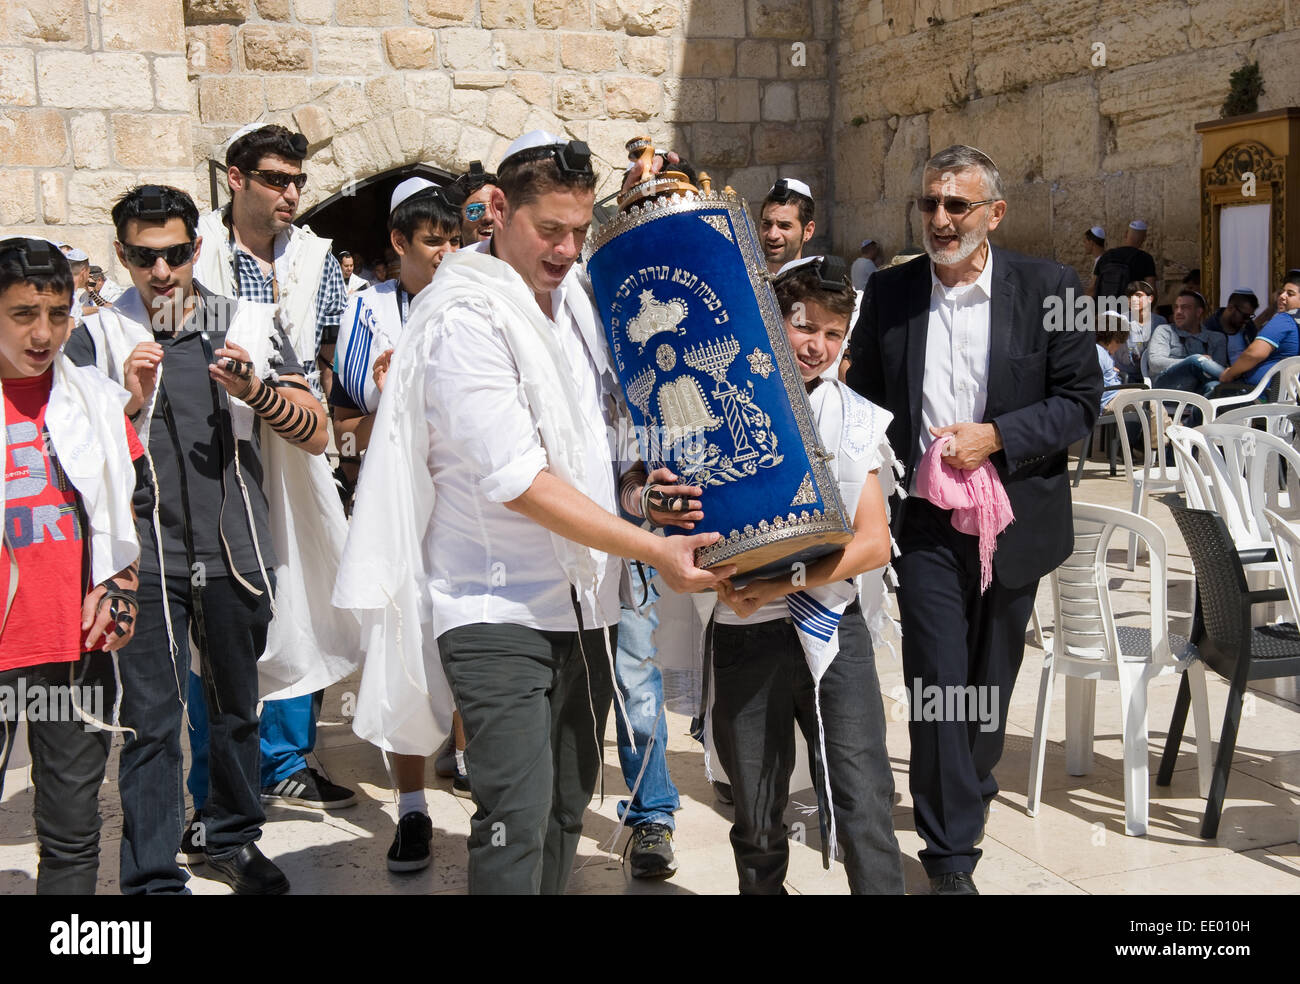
(68, 560)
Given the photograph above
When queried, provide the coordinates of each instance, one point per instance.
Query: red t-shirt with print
(44, 527)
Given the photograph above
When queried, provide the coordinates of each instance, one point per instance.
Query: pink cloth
(978, 501)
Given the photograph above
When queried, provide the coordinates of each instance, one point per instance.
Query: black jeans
(68, 762)
(533, 747)
(151, 772)
(955, 637)
(763, 688)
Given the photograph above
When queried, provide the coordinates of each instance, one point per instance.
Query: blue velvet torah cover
(715, 394)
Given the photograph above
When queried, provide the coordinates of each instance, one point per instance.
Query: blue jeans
(642, 686)
(286, 731)
(1194, 374)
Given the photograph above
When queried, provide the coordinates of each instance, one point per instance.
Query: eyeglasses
(145, 256)
(279, 179)
(476, 211)
(955, 207)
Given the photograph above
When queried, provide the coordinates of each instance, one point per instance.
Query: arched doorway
(355, 216)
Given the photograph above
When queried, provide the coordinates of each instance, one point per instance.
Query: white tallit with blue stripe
(371, 324)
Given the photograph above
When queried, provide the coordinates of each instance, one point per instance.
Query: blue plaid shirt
(331, 295)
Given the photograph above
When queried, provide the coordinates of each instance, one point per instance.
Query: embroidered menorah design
(715, 358)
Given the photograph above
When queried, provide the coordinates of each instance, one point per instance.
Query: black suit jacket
(1044, 392)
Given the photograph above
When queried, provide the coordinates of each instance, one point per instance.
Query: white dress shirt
(486, 563)
(955, 388)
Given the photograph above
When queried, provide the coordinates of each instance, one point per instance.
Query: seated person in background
(1185, 355)
(1111, 342)
(1277, 340)
(1236, 320)
(1143, 322)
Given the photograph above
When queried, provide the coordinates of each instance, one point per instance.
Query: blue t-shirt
(1281, 333)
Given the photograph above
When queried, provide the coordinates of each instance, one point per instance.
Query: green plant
(1245, 86)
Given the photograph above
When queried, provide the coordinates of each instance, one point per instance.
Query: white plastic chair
(1147, 471)
(1274, 416)
(1286, 543)
(1288, 369)
(1088, 646)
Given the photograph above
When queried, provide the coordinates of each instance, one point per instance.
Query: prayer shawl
(854, 429)
(310, 644)
(384, 575)
(978, 501)
(371, 324)
(300, 257)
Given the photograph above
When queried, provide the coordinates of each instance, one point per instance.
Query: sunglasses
(145, 256)
(953, 206)
(281, 180)
(476, 211)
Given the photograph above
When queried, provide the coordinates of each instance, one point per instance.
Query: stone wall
(1088, 107)
(93, 99)
(379, 83)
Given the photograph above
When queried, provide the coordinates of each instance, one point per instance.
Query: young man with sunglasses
(477, 186)
(487, 518)
(256, 253)
(201, 371)
(956, 348)
(424, 223)
(68, 576)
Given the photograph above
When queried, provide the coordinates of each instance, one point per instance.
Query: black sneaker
(192, 841)
(411, 844)
(307, 787)
(460, 784)
(249, 872)
(650, 850)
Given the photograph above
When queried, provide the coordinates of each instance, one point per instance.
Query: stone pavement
(1076, 845)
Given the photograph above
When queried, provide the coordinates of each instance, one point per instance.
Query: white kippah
(866, 243)
(77, 255)
(1098, 231)
(795, 264)
(1138, 224)
(534, 138)
(795, 185)
(406, 189)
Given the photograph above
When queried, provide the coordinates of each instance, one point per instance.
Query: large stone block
(91, 194)
(641, 17)
(504, 13)
(506, 114)
(648, 56)
(552, 14)
(481, 80)
(151, 140)
(273, 10)
(141, 25)
(533, 87)
(33, 137)
(757, 59)
(720, 145)
(1280, 68)
(738, 100)
(905, 158)
(814, 100)
(1059, 33)
(1078, 204)
(475, 144)
(89, 140)
(43, 22)
(386, 94)
(54, 198)
(315, 11)
(1213, 24)
(780, 102)
(909, 75)
(276, 49)
(1072, 134)
(466, 48)
(217, 11)
(632, 98)
(348, 51)
(1152, 109)
(231, 100)
(17, 77)
(409, 125)
(751, 183)
(705, 58)
(429, 91)
(690, 100)
(369, 13)
(1008, 128)
(314, 123)
(1127, 34)
(469, 104)
(172, 90)
(442, 136)
(529, 50)
(411, 47)
(579, 98)
(1027, 227)
(589, 52)
(18, 198)
(859, 156)
(441, 13)
(209, 49)
(112, 80)
(803, 60)
(780, 18)
(784, 143)
(347, 106)
(715, 18)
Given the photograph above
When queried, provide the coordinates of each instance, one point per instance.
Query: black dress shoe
(249, 872)
(953, 883)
